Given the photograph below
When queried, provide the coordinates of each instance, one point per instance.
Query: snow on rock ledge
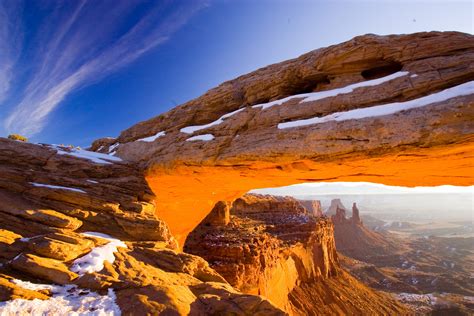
(386, 109)
(94, 260)
(57, 187)
(85, 154)
(204, 137)
(65, 300)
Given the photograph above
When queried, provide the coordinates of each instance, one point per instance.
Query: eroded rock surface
(389, 109)
(50, 196)
(274, 247)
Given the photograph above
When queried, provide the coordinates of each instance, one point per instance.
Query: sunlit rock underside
(396, 109)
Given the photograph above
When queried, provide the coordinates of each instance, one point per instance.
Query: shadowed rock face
(235, 138)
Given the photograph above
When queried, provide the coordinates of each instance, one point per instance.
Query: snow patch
(204, 137)
(386, 109)
(94, 260)
(65, 300)
(422, 298)
(112, 147)
(92, 181)
(151, 138)
(89, 155)
(57, 187)
(192, 129)
(314, 96)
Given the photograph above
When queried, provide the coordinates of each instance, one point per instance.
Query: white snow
(422, 298)
(151, 138)
(192, 129)
(204, 137)
(57, 187)
(94, 260)
(314, 96)
(90, 155)
(414, 76)
(112, 147)
(65, 300)
(92, 181)
(386, 109)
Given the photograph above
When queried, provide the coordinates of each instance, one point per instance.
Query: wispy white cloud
(10, 43)
(84, 47)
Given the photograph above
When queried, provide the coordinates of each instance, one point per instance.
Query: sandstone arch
(397, 110)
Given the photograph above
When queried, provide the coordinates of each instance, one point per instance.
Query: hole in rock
(386, 69)
(420, 239)
(298, 85)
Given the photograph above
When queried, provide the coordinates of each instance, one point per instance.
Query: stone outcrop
(353, 239)
(355, 214)
(313, 206)
(238, 136)
(309, 119)
(274, 247)
(50, 195)
(336, 204)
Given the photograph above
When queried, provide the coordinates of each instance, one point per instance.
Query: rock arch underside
(427, 145)
(397, 110)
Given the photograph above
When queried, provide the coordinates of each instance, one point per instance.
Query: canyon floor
(428, 266)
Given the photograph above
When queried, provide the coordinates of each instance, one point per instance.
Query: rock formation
(313, 206)
(50, 196)
(392, 109)
(388, 109)
(354, 240)
(336, 204)
(355, 215)
(275, 248)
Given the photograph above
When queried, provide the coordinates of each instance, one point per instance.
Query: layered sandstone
(170, 171)
(252, 130)
(50, 196)
(274, 247)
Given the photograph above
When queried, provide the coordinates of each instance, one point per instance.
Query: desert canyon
(157, 220)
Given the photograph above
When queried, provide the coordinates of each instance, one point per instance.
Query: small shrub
(18, 137)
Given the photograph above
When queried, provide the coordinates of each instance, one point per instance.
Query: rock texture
(50, 195)
(313, 206)
(432, 143)
(353, 239)
(274, 247)
(173, 170)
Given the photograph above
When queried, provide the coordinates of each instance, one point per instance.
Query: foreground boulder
(392, 109)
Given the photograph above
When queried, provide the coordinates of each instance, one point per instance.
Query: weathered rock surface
(313, 206)
(234, 138)
(251, 148)
(50, 195)
(274, 247)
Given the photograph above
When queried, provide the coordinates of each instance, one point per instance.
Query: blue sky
(74, 71)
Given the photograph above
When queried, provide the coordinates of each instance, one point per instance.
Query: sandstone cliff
(314, 206)
(274, 247)
(51, 198)
(392, 109)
